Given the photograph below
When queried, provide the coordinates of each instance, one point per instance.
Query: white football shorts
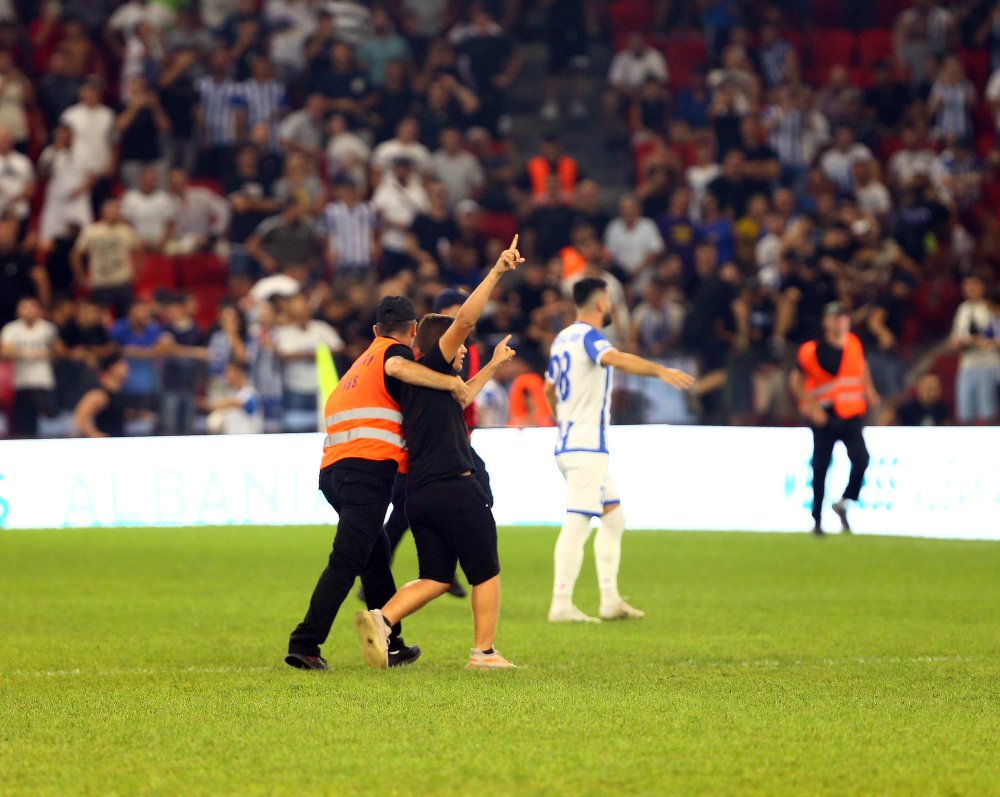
(589, 488)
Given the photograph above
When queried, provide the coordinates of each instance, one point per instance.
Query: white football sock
(569, 558)
(608, 554)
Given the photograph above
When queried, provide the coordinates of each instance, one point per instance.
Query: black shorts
(452, 523)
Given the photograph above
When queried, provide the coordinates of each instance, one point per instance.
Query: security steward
(363, 450)
(834, 390)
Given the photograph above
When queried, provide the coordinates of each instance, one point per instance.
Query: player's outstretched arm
(502, 354)
(469, 313)
(421, 376)
(631, 364)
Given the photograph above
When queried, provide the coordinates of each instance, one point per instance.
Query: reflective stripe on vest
(364, 433)
(363, 421)
(540, 170)
(362, 413)
(844, 391)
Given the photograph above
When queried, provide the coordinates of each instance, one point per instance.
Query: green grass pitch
(150, 662)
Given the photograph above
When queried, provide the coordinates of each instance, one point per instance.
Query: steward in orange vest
(552, 163)
(362, 451)
(834, 391)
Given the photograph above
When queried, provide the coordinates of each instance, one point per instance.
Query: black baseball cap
(834, 308)
(395, 310)
(449, 297)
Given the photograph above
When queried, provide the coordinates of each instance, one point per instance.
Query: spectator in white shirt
(406, 144)
(296, 343)
(633, 240)
(869, 192)
(201, 216)
(634, 65)
(837, 163)
(150, 210)
(17, 179)
(913, 163)
(398, 200)
(67, 190)
(30, 342)
(346, 153)
(93, 126)
(241, 412)
(459, 171)
(976, 382)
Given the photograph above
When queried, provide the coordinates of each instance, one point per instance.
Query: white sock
(608, 554)
(569, 558)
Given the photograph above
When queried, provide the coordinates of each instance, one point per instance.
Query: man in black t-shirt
(447, 508)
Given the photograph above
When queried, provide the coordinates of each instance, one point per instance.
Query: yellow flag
(327, 379)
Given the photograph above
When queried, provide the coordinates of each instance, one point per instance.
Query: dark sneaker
(301, 662)
(404, 655)
(457, 590)
(818, 530)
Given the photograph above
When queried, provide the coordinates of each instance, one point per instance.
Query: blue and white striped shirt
(219, 99)
(351, 232)
(265, 102)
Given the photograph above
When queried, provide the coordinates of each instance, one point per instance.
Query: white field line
(749, 664)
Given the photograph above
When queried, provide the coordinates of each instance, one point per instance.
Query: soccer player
(448, 509)
(578, 388)
(834, 389)
(364, 447)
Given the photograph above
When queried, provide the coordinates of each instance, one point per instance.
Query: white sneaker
(549, 112)
(620, 611)
(488, 661)
(374, 636)
(840, 508)
(570, 615)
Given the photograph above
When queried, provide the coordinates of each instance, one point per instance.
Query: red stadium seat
(630, 15)
(209, 298)
(977, 66)
(684, 55)
(201, 270)
(874, 46)
(829, 48)
(498, 225)
(156, 272)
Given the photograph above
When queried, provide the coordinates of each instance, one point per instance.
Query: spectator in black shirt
(435, 231)
(447, 508)
(761, 166)
(179, 99)
(58, 88)
(85, 343)
(20, 275)
(887, 99)
(180, 369)
(925, 408)
(101, 412)
(344, 83)
(732, 189)
(550, 224)
(139, 127)
(251, 201)
(487, 63)
(393, 101)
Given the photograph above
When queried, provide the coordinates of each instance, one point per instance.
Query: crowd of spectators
(195, 197)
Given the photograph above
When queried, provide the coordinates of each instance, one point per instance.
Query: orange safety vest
(573, 263)
(528, 406)
(845, 390)
(362, 420)
(539, 171)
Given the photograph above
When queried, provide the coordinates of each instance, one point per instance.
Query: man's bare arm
(639, 366)
(421, 376)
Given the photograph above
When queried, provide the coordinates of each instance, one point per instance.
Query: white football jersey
(583, 388)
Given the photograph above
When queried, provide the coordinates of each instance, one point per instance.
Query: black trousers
(397, 524)
(850, 433)
(360, 548)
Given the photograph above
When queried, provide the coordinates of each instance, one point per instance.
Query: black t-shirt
(732, 194)
(73, 335)
(179, 100)
(552, 226)
(431, 232)
(434, 426)
(243, 223)
(141, 140)
(913, 413)
(15, 282)
(111, 420)
(829, 356)
(393, 386)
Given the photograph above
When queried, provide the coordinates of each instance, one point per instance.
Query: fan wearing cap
(834, 390)
(448, 303)
(362, 452)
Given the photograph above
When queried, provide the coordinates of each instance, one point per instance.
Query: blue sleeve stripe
(584, 512)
